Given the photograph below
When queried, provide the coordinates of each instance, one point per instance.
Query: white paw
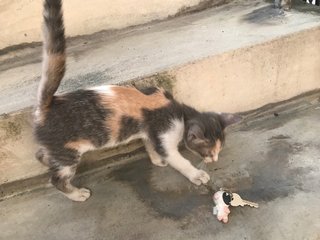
(199, 177)
(208, 160)
(79, 195)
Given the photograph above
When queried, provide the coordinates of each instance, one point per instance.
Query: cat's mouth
(215, 157)
(206, 159)
(211, 159)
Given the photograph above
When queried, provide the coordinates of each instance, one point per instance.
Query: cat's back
(131, 101)
(98, 110)
(97, 102)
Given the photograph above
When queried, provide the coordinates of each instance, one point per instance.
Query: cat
(70, 124)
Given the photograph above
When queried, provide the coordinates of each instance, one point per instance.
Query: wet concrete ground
(273, 159)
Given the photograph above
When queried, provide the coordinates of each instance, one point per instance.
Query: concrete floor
(273, 160)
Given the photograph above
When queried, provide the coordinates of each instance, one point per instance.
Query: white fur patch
(170, 141)
(85, 148)
(37, 115)
(113, 143)
(105, 89)
(66, 172)
(134, 137)
(172, 137)
(78, 195)
(44, 76)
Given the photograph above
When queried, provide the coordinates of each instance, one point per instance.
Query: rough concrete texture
(271, 158)
(17, 148)
(248, 78)
(149, 49)
(83, 18)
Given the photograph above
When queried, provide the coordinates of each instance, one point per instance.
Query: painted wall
(20, 20)
(249, 78)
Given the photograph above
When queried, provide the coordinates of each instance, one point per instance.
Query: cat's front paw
(160, 163)
(200, 177)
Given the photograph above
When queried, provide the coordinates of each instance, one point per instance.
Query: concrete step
(20, 172)
(237, 57)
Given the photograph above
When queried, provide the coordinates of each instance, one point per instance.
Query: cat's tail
(54, 57)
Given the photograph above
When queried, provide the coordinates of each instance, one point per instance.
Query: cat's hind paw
(79, 195)
(200, 177)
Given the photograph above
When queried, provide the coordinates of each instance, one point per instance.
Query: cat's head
(204, 134)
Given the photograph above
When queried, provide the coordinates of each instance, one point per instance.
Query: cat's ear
(195, 134)
(229, 119)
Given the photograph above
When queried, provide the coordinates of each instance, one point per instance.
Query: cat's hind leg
(61, 179)
(155, 158)
(42, 156)
(63, 167)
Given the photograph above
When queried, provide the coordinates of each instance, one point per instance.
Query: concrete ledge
(17, 185)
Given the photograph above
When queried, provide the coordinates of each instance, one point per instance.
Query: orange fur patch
(128, 101)
(52, 73)
(56, 63)
(217, 147)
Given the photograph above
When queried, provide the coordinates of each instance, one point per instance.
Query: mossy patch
(162, 80)
(10, 130)
(11, 126)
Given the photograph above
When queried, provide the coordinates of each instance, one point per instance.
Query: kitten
(68, 125)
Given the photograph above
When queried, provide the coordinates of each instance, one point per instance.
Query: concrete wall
(20, 20)
(249, 78)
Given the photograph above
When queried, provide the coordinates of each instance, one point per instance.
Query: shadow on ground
(272, 159)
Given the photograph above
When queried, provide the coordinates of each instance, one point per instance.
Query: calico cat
(68, 125)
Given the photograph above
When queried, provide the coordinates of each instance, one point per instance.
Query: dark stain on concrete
(202, 5)
(269, 122)
(267, 15)
(17, 47)
(170, 204)
(279, 137)
(273, 177)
